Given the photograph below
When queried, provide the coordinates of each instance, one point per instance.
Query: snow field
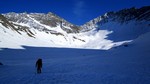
(119, 65)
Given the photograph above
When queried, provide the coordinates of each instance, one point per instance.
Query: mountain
(119, 65)
(122, 16)
(40, 21)
(126, 24)
(49, 30)
(124, 36)
(37, 29)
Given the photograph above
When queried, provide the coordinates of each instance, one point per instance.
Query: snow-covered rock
(49, 30)
(123, 16)
(125, 60)
(41, 21)
(126, 24)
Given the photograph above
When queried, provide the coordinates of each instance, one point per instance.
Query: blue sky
(75, 11)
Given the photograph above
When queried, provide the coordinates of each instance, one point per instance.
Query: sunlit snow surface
(109, 53)
(120, 65)
(91, 39)
(102, 61)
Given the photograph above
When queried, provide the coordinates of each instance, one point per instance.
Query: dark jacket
(39, 63)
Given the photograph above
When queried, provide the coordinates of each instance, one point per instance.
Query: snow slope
(49, 30)
(110, 52)
(13, 39)
(120, 65)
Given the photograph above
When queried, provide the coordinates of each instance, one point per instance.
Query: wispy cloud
(79, 8)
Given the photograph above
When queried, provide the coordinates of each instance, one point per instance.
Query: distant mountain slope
(126, 24)
(122, 16)
(50, 30)
(22, 29)
(42, 21)
(120, 65)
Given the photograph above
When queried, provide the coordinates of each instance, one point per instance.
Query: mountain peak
(122, 16)
(41, 21)
(104, 32)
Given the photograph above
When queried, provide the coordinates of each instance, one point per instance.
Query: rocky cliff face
(121, 17)
(49, 30)
(14, 27)
(42, 21)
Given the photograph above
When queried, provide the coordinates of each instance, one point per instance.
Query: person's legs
(39, 70)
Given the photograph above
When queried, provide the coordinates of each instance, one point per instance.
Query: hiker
(39, 65)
